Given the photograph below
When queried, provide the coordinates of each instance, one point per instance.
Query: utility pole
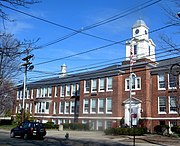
(27, 66)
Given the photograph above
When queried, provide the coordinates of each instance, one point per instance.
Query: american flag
(131, 56)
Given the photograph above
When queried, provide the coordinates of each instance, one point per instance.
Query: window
(136, 83)
(87, 86)
(161, 81)
(62, 91)
(93, 85)
(55, 107)
(73, 87)
(101, 105)
(42, 107)
(49, 91)
(78, 89)
(55, 91)
(109, 83)
(27, 107)
(30, 108)
(135, 49)
(85, 106)
(66, 107)
(61, 107)
(172, 104)
(39, 92)
(72, 108)
(162, 105)
(100, 125)
(28, 94)
(109, 105)
(149, 50)
(101, 84)
(32, 94)
(108, 124)
(93, 106)
(42, 92)
(46, 92)
(172, 81)
(68, 90)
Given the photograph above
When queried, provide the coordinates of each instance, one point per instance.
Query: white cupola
(140, 44)
(63, 70)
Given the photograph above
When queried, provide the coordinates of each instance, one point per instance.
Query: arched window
(136, 82)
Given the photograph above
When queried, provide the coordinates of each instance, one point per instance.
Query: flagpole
(130, 87)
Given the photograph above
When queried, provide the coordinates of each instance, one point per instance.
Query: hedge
(126, 131)
(159, 129)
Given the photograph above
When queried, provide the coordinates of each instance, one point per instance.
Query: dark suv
(28, 130)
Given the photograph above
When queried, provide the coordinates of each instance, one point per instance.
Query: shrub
(126, 131)
(49, 125)
(76, 126)
(159, 129)
(176, 129)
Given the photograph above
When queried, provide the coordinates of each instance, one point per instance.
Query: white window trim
(71, 107)
(54, 108)
(108, 84)
(55, 91)
(85, 91)
(159, 112)
(49, 90)
(61, 89)
(84, 112)
(99, 104)
(32, 93)
(159, 84)
(73, 90)
(65, 112)
(92, 81)
(99, 89)
(107, 105)
(91, 112)
(169, 84)
(136, 83)
(60, 104)
(171, 112)
(68, 90)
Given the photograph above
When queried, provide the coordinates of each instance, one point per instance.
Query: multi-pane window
(172, 81)
(78, 89)
(49, 91)
(72, 107)
(42, 92)
(87, 86)
(62, 91)
(109, 105)
(101, 105)
(61, 107)
(42, 107)
(85, 105)
(66, 107)
(28, 94)
(73, 87)
(55, 107)
(30, 108)
(68, 90)
(162, 104)
(136, 83)
(38, 92)
(55, 91)
(135, 49)
(172, 104)
(101, 84)
(93, 85)
(109, 83)
(32, 93)
(93, 106)
(161, 81)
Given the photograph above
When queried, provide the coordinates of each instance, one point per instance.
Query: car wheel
(25, 136)
(12, 135)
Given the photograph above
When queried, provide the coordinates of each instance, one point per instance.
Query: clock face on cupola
(140, 30)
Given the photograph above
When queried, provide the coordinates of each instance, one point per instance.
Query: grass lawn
(7, 127)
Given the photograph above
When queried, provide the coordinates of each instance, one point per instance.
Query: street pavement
(98, 138)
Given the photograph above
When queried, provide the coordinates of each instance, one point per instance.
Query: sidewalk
(97, 136)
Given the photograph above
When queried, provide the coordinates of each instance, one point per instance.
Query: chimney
(63, 70)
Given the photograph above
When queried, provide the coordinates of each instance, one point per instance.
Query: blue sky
(77, 15)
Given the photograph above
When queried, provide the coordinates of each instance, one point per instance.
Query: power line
(160, 53)
(102, 47)
(110, 19)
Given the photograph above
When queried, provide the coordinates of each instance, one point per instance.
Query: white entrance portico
(136, 110)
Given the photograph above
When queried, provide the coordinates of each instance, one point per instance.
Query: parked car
(29, 130)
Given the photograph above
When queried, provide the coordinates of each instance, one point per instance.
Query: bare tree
(11, 50)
